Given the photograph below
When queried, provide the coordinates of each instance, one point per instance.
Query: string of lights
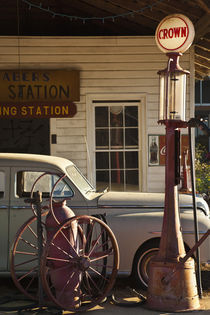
(89, 18)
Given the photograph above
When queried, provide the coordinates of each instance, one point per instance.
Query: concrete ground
(123, 294)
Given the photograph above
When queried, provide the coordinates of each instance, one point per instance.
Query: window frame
(119, 99)
(201, 103)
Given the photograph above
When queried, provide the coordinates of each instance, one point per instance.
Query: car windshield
(79, 180)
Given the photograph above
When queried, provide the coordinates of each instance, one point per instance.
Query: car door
(20, 211)
(4, 216)
(22, 181)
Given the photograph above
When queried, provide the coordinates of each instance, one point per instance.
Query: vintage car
(134, 217)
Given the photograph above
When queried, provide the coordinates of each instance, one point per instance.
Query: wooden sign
(38, 93)
(41, 110)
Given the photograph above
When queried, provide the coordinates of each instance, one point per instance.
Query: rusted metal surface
(186, 257)
(178, 294)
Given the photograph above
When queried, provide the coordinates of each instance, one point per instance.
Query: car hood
(125, 199)
(147, 200)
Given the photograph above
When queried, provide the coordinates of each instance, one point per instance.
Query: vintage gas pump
(178, 292)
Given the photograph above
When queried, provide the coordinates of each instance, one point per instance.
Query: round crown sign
(175, 33)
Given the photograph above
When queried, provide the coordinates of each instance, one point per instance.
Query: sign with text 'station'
(38, 93)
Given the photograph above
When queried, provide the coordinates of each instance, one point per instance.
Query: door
(23, 179)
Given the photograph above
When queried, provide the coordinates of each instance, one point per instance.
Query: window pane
(117, 137)
(78, 179)
(206, 93)
(117, 160)
(132, 181)
(2, 184)
(131, 137)
(102, 179)
(131, 116)
(62, 190)
(102, 139)
(26, 180)
(101, 116)
(201, 136)
(116, 116)
(131, 159)
(102, 160)
(117, 180)
(197, 92)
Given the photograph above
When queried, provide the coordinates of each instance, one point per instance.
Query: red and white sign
(175, 33)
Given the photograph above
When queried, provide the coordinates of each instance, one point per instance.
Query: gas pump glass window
(25, 181)
(172, 95)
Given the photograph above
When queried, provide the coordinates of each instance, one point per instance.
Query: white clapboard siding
(107, 65)
(157, 182)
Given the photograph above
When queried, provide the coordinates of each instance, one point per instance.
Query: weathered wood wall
(107, 65)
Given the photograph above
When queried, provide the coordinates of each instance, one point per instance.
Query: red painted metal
(180, 292)
(61, 251)
(185, 187)
(96, 259)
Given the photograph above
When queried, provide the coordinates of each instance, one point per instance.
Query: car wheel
(141, 262)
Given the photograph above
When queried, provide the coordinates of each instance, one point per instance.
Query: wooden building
(117, 74)
(114, 130)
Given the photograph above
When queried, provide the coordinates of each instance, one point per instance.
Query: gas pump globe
(172, 90)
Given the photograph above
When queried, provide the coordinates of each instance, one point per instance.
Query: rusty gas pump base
(177, 294)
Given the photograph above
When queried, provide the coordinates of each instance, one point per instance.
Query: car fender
(132, 230)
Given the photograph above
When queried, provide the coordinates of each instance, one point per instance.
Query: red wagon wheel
(24, 258)
(80, 263)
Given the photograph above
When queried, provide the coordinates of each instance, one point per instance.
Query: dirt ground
(122, 290)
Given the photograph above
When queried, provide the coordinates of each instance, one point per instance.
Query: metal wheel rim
(51, 199)
(145, 260)
(32, 191)
(25, 280)
(89, 287)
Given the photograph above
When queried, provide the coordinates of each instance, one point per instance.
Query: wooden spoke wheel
(24, 257)
(80, 263)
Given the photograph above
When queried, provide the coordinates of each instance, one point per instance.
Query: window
(79, 180)
(202, 112)
(2, 184)
(25, 181)
(117, 146)
(202, 92)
